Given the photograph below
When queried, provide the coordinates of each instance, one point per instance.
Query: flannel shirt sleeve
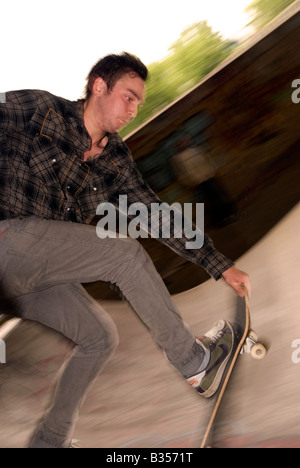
(215, 263)
(16, 109)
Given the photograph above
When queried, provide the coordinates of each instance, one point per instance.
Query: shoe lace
(217, 337)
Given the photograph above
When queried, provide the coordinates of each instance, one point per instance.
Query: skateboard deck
(245, 341)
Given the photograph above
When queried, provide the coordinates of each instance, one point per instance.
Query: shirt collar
(75, 119)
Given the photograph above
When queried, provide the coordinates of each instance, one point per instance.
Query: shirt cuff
(215, 263)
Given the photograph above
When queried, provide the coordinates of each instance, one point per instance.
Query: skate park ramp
(243, 120)
(140, 401)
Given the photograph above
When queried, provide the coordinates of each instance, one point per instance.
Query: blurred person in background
(197, 172)
(58, 161)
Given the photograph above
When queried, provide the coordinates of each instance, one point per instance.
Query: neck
(97, 135)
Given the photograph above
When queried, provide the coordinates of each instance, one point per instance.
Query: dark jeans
(43, 264)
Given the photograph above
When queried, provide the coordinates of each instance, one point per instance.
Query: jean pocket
(21, 273)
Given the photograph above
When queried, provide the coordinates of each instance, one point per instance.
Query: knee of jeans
(112, 339)
(104, 339)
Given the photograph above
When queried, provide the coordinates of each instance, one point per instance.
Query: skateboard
(246, 341)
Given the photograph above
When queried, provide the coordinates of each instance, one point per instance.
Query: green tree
(196, 53)
(266, 10)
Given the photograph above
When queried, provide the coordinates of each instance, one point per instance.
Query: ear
(99, 87)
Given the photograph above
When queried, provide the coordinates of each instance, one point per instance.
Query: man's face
(118, 107)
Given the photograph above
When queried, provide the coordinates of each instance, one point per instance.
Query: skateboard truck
(253, 346)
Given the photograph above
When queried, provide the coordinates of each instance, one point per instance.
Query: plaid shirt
(42, 171)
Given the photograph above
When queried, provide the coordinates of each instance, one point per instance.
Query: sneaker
(219, 342)
(74, 443)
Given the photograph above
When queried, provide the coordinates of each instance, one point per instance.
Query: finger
(240, 289)
(246, 289)
(248, 286)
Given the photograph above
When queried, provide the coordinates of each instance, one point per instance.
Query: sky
(53, 45)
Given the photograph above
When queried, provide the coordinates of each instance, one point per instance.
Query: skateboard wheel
(258, 351)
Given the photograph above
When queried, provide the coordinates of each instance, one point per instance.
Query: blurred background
(201, 47)
(219, 126)
(223, 131)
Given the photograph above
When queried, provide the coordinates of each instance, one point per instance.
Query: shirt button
(95, 188)
(68, 209)
(54, 160)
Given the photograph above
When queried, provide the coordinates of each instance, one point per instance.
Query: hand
(236, 278)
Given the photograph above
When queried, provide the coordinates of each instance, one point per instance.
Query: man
(58, 161)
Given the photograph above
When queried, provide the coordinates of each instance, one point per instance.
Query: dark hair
(112, 67)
